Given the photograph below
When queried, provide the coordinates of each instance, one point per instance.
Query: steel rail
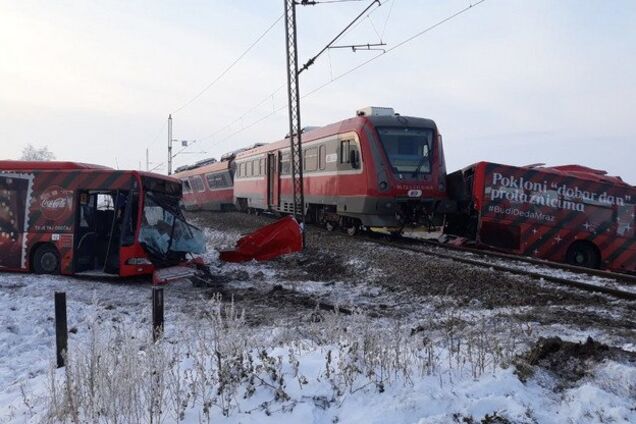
(622, 294)
(626, 278)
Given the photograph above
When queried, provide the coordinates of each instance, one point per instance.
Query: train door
(273, 181)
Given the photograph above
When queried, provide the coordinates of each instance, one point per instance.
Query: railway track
(519, 266)
(626, 278)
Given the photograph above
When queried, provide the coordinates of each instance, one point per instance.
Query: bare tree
(29, 152)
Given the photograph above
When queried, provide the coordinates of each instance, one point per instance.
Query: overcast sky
(511, 81)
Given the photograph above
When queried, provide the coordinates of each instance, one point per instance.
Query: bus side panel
(15, 193)
(538, 213)
(51, 212)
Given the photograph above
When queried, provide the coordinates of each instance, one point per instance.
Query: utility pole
(170, 144)
(147, 160)
(295, 129)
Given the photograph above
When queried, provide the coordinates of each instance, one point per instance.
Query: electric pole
(295, 129)
(147, 160)
(170, 144)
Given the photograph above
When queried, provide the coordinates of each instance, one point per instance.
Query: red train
(380, 169)
(570, 213)
(377, 169)
(208, 186)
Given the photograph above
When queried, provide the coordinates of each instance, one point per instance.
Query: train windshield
(409, 149)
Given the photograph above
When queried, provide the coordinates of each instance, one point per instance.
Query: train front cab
(407, 178)
(400, 170)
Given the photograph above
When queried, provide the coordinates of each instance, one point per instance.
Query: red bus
(569, 213)
(75, 218)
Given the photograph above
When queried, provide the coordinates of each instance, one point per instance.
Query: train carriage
(208, 187)
(570, 213)
(377, 169)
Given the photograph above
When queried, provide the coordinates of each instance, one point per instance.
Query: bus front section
(164, 234)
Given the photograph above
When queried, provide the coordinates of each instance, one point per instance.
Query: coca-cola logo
(56, 203)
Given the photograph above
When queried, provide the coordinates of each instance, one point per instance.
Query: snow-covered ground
(218, 364)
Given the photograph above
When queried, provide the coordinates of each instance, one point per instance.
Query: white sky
(510, 81)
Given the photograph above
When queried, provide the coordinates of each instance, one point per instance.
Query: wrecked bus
(571, 213)
(75, 218)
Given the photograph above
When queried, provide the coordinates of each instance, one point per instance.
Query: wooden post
(157, 312)
(61, 328)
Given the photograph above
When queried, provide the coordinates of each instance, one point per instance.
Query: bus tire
(583, 254)
(46, 260)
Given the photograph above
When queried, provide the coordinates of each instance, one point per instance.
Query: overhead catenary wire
(214, 81)
(398, 45)
(340, 34)
(349, 28)
(229, 67)
(357, 67)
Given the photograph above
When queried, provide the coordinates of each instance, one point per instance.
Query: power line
(348, 29)
(342, 75)
(387, 19)
(313, 59)
(400, 44)
(193, 99)
(240, 118)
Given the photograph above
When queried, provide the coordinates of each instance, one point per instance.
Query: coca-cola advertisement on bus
(52, 210)
(15, 191)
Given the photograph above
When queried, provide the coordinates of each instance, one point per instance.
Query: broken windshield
(165, 231)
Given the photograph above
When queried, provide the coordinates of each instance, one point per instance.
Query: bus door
(99, 217)
(273, 180)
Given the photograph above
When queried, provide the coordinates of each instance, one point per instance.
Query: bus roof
(575, 171)
(29, 165)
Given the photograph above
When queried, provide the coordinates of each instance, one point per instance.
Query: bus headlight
(138, 261)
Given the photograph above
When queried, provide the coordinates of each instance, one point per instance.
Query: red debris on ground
(282, 237)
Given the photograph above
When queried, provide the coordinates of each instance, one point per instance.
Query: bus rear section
(72, 218)
(569, 214)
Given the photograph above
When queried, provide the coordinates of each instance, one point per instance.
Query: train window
(285, 164)
(186, 186)
(261, 167)
(345, 148)
(310, 162)
(215, 181)
(322, 156)
(197, 183)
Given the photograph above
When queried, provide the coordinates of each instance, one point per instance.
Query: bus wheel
(46, 260)
(583, 254)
